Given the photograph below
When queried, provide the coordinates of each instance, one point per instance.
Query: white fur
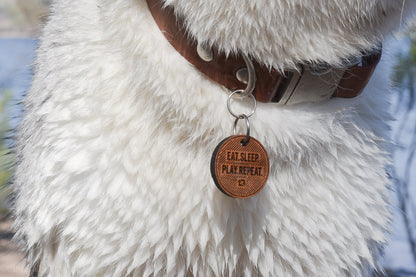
(285, 32)
(113, 152)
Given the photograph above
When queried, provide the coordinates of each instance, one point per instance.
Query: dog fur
(112, 170)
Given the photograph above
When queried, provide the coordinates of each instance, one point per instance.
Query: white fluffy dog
(113, 153)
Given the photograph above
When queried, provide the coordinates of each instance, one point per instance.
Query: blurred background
(20, 23)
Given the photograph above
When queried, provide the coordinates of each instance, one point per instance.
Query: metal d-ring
(251, 76)
(237, 116)
(247, 138)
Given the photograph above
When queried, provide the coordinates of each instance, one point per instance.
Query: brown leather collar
(271, 86)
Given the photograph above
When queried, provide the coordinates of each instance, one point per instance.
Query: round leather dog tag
(240, 170)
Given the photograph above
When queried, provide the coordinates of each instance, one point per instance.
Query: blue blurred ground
(16, 58)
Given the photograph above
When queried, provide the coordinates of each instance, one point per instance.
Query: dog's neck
(312, 83)
(284, 33)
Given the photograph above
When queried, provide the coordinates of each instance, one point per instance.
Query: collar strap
(313, 83)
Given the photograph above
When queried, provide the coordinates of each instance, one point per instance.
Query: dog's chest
(123, 138)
